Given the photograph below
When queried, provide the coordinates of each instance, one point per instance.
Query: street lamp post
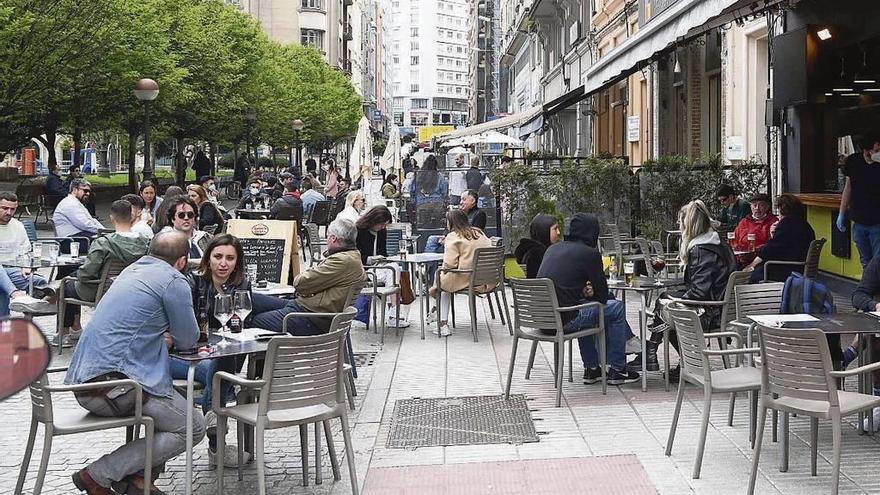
(250, 118)
(297, 125)
(146, 90)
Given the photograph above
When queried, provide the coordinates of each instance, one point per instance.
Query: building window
(414, 88)
(313, 4)
(458, 77)
(419, 103)
(313, 38)
(414, 32)
(395, 60)
(398, 119)
(414, 45)
(414, 60)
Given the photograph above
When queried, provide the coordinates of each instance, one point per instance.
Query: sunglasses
(186, 215)
(85, 190)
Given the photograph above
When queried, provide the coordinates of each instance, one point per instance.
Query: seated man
(309, 197)
(734, 208)
(790, 241)
(71, 218)
(321, 289)
(14, 242)
(73, 173)
(575, 267)
(253, 196)
(182, 216)
(123, 245)
(288, 206)
(757, 224)
(54, 187)
(147, 309)
(140, 225)
(468, 204)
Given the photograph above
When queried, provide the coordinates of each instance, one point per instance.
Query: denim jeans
(169, 434)
(867, 239)
(617, 332)
(272, 316)
(204, 374)
(433, 245)
(6, 289)
(22, 282)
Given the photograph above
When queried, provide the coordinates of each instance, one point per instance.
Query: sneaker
(210, 421)
(634, 346)
(65, 344)
(652, 363)
(617, 377)
(444, 331)
(675, 374)
(592, 375)
(395, 322)
(28, 304)
(230, 457)
(432, 317)
(849, 355)
(74, 336)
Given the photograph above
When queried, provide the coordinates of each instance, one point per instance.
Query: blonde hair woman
(208, 212)
(708, 264)
(355, 204)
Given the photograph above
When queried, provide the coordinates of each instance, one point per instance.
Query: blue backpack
(804, 295)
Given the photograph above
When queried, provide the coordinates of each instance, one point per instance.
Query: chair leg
(44, 459)
(679, 397)
(603, 361)
(331, 450)
(835, 459)
(472, 305)
(25, 462)
(59, 319)
(510, 368)
(704, 429)
(384, 322)
(304, 446)
(222, 422)
(318, 479)
(501, 312)
(571, 361)
(814, 443)
(759, 436)
(491, 306)
(731, 408)
(261, 458)
(531, 358)
(452, 309)
(349, 453)
(784, 445)
(397, 315)
(775, 435)
(753, 415)
(148, 454)
(349, 392)
(240, 430)
(560, 370)
(506, 311)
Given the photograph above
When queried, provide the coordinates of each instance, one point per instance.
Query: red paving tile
(606, 475)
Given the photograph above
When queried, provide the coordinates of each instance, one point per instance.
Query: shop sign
(633, 128)
(648, 9)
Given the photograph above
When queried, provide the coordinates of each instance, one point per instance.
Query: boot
(651, 354)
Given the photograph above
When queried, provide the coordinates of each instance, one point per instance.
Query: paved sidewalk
(625, 422)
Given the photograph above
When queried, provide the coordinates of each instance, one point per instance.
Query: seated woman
(390, 188)
(708, 263)
(371, 239)
(355, 204)
(790, 240)
(221, 272)
(543, 232)
(209, 214)
(461, 244)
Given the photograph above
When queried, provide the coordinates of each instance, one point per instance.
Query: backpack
(804, 295)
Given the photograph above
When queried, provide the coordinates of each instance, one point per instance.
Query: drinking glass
(37, 250)
(223, 312)
(51, 251)
(251, 273)
(74, 249)
(629, 270)
(612, 270)
(404, 249)
(243, 305)
(751, 238)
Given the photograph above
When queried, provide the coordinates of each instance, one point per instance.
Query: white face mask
(254, 191)
(212, 188)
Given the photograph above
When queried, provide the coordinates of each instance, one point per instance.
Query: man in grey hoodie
(575, 267)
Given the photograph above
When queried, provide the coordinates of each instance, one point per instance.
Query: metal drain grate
(461, 421)
(365, 358)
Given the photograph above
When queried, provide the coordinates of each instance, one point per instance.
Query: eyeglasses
(186, 215)
(85, 190)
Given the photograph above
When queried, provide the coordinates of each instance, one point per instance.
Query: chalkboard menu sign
(269, 244)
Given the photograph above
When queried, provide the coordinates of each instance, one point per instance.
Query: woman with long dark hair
(148, 192)
(390, 187)
(371, 242)
(543, 232)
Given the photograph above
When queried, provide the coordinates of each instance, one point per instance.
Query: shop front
(826, 94)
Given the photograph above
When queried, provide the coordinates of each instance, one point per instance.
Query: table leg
(425, 305)
(869, 382)
(643, 334)
(31, 283)
(865, 339)
(190, 379)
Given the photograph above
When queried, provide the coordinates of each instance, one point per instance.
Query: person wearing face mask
(372, 236)
(209, 183)
(252, 197)
(757, 224)
(860, 198)
(71, 218)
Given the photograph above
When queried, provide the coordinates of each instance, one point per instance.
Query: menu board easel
(270, 244)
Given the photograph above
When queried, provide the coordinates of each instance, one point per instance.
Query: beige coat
(459, 254)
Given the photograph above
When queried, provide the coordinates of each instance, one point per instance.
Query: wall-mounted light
(824, 34)
(842, 90)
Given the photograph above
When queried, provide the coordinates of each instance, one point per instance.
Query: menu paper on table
(773, 320)
(250, 334)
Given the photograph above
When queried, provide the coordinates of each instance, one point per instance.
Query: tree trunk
(180, 161)
(238, 172)
(132, 155)
(49, 143)
(274, 165)
(77, 145)
(212, 149)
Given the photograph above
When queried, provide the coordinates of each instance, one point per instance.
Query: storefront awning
(683, 20)
(564, 101)
(493, 125)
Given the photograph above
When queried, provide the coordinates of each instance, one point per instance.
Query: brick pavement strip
(625, 421)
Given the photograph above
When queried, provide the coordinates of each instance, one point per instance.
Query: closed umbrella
(391, 161)
(361, 158)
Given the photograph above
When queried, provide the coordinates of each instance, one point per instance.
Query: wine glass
(243, 306)
(223, 312)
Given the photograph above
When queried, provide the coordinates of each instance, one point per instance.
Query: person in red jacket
(758, 223)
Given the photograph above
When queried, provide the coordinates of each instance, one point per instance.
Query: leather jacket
(203, 293)
(705, 276)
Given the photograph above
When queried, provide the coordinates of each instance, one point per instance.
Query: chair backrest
(691, 342)
(645, 250)
(488, 266)
(811, 264)
(41, 400)
(392, 241)
(353, 292)
(31, 229)
(306, 371)
(758, 299)
(112, 268)
(796, 363)
(728, 311)
(320, 213)
(292, 211)
(314, 241)
(534, 304)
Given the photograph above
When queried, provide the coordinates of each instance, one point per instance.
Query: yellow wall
(820, 218)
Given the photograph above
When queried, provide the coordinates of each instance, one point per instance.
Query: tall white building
(430, 59)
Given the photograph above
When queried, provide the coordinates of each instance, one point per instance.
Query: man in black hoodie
(575, 267)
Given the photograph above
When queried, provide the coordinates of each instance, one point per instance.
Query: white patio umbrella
(361, 157)
(493, 137)
(391, 161)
